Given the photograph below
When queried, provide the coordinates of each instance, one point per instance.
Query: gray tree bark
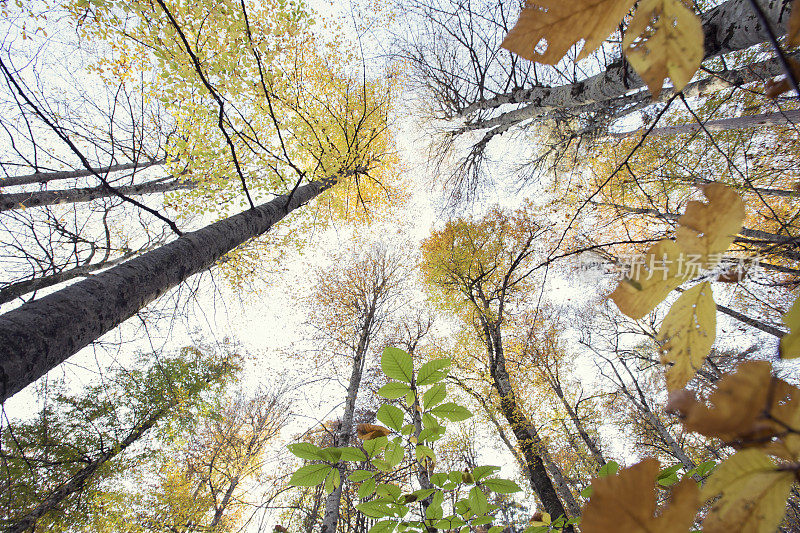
(342, 438)
(40, 335)
(21, 200)
(594, 449)
(736, 123)
(44, 177)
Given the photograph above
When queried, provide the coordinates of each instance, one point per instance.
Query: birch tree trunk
(40, 335)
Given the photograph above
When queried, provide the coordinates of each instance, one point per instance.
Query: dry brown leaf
(627, 502)
(793, 33)
(773, 88)
(562, 24)
(749, 409)
(371, 431)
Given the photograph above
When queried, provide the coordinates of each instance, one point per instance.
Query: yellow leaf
(753, 493)
(371, 431)
(790, 343)
(665, 38)
(688, 331)
(563, 24)
(627, 502)
(708, 229)
(651, 281)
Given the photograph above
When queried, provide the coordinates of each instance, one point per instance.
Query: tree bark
(40, 335)
(21, 288)
(736, 123)
(44, 177)
(589, 441)
(342, 438)
(527, 437)
(22, 200)
(728, 27)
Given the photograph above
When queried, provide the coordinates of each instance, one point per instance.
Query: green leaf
(423, 451)
(375, 509)
(451, 522)
(439, 479)
(332, 455)
(482, 520)
(384, 526)
(496, 529)
(429, 373)
(503, 486)
(407, 429)
(394, 453)
(374, 446)
(429, 422)
(352, 454)
(310, 475)
(421, 494)
(394, 390)
(397, 364)
(608, 469)
(587, 492)
(367, 488)
(388, 490)
(477, 501)
(452, 412)
(703, 469)
(332, 481)
(480, 472)
(668, 476)
(410, 397)
(382, 465)
(360, 475)
(306, 450)
(434, 395)
(391, 416)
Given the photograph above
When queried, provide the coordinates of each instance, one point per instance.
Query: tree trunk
(22, 200)
(342, 437)
(725, 124)
(218, 511)
(39, 335)
(527, 437)
(589, 441)
(77, 481)
(728, 27)
(21, 288)
(44, 177)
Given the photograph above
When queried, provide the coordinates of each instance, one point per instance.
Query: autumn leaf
(627, 502)
(688, 332)
(371, 431)
(753, 494)
(653, 278)
(563, 24)
(750, 408)
(790, 343)
(665, 38)
(708, 229)
(793, 33)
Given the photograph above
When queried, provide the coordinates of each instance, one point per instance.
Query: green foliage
(386, 502)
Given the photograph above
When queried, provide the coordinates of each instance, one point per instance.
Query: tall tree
(352, 303)
(483, 268)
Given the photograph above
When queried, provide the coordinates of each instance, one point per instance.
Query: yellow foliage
(627, 502)
(688, 331)
(665, 38)
(753, 494)
(563, 24)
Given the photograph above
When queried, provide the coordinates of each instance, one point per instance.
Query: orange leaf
(371, 431)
